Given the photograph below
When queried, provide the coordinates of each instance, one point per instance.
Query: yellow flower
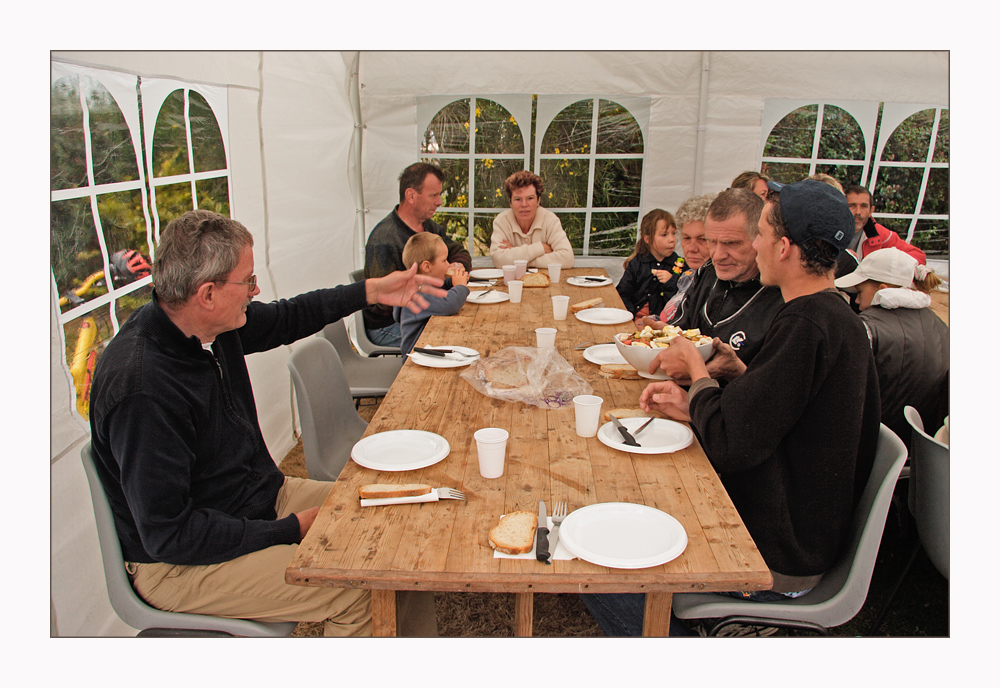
(478, 113)
(557, 151)
(550, 194)
(512, 120)
(499, 193)
(488, 162)
(466, 125)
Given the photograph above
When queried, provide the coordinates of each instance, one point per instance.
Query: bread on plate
(620, 413)
(619, 371)
(515, 534)
(387, 491)
(584, 305)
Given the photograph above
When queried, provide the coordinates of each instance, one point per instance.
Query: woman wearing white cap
(910, 342)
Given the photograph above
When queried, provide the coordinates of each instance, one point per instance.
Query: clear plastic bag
(540, 377)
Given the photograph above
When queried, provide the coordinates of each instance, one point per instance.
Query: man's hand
(459, 275)
(725, 364)
(403, 288)
(653, 322)
(667, 398)
(681, 361)
(306, 519)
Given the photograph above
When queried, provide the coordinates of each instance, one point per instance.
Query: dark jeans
(390, 335)
(621, 614)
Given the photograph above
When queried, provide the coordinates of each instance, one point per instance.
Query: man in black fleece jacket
(793, 437)
(206, 520)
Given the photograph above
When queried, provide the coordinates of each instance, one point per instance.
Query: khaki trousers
(253, 586)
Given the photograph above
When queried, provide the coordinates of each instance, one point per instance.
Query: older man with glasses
(206, 520)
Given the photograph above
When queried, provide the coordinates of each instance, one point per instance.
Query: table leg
(656, 619)
(384, 613)
(523, 614)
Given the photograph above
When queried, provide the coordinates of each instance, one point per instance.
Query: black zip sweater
(638, 286)
(175, 433)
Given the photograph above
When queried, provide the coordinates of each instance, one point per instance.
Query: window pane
(172, 201)
(111, 143)
(456, 225)
(896, 189)
(931, 236)
(77, 264)
(213, 194)
(570, 131)
(483, 234)
(845, 174)
(617, 131)
(572, 224)
(911, 139)
(490, 177)
(127, 304)
(936, 195)
(786, 172)
(206, 137)
(942, 148)
(792, 137)
(448, 131)
(86, 338)
(565, 183)
(455, 186)
(124, 231)
(617, 183)
(170, 138)
(67, 156)
(613, 234)
(841, 138)
(496, 129)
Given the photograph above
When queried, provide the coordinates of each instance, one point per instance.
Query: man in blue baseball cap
(793, 437)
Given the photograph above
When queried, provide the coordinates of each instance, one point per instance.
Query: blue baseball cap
(814, 209)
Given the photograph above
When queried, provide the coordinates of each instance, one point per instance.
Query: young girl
(652, 271)
(910, 342)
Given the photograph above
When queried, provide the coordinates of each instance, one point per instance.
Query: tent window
(898, 151)
(590, 157)
(101, 234)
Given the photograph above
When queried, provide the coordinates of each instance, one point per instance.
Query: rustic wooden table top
(444, 545)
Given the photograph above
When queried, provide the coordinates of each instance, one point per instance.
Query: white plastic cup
(545, 336)
(520, 267)
(491, 443)
(509, 272)
(588, 414)
(554, 271)
(560, 306)
(514, 288)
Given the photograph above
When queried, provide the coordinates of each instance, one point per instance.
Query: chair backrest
(367, 376)
(367, 346)
(930, 480)
(131, 608)
(331, 425)
(841, 593)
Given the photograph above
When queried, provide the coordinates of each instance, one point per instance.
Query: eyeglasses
(252, 283)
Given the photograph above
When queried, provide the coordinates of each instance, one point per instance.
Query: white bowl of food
(640, 347)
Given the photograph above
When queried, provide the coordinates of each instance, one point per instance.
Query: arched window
(103, 223)
(817, 138)
(590, 157)
(478, 143)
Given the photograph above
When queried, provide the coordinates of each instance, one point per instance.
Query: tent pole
(354, 167)
(699, 155)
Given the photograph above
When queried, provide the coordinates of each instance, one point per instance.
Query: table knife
(628, 439)
(643, 426)
(596, 279)
(433, 352)
(542, 534)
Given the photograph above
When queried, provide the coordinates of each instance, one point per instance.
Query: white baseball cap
(887, 265)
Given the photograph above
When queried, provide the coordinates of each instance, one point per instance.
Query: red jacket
(889, 239)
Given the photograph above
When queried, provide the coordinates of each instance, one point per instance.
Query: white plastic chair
(367, 377)
(841, 593)
(331, 425)
(930, 476)
(365, 345)
(132, 609)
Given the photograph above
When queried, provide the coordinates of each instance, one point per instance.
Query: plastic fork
(449, 493)
(559, 510)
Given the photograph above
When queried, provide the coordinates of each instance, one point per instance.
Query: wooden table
(443, 546)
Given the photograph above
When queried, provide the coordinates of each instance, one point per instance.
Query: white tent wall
(293, 172)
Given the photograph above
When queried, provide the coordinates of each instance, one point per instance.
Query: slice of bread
(515, 534)
(620, 413)
(505, 375)
(535, 279)
(619, 371)
(584, 305)
(386, 491)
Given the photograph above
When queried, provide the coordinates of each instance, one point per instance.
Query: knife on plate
(433, 352)
(595, 279)
(542, 535)
(627, 438)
